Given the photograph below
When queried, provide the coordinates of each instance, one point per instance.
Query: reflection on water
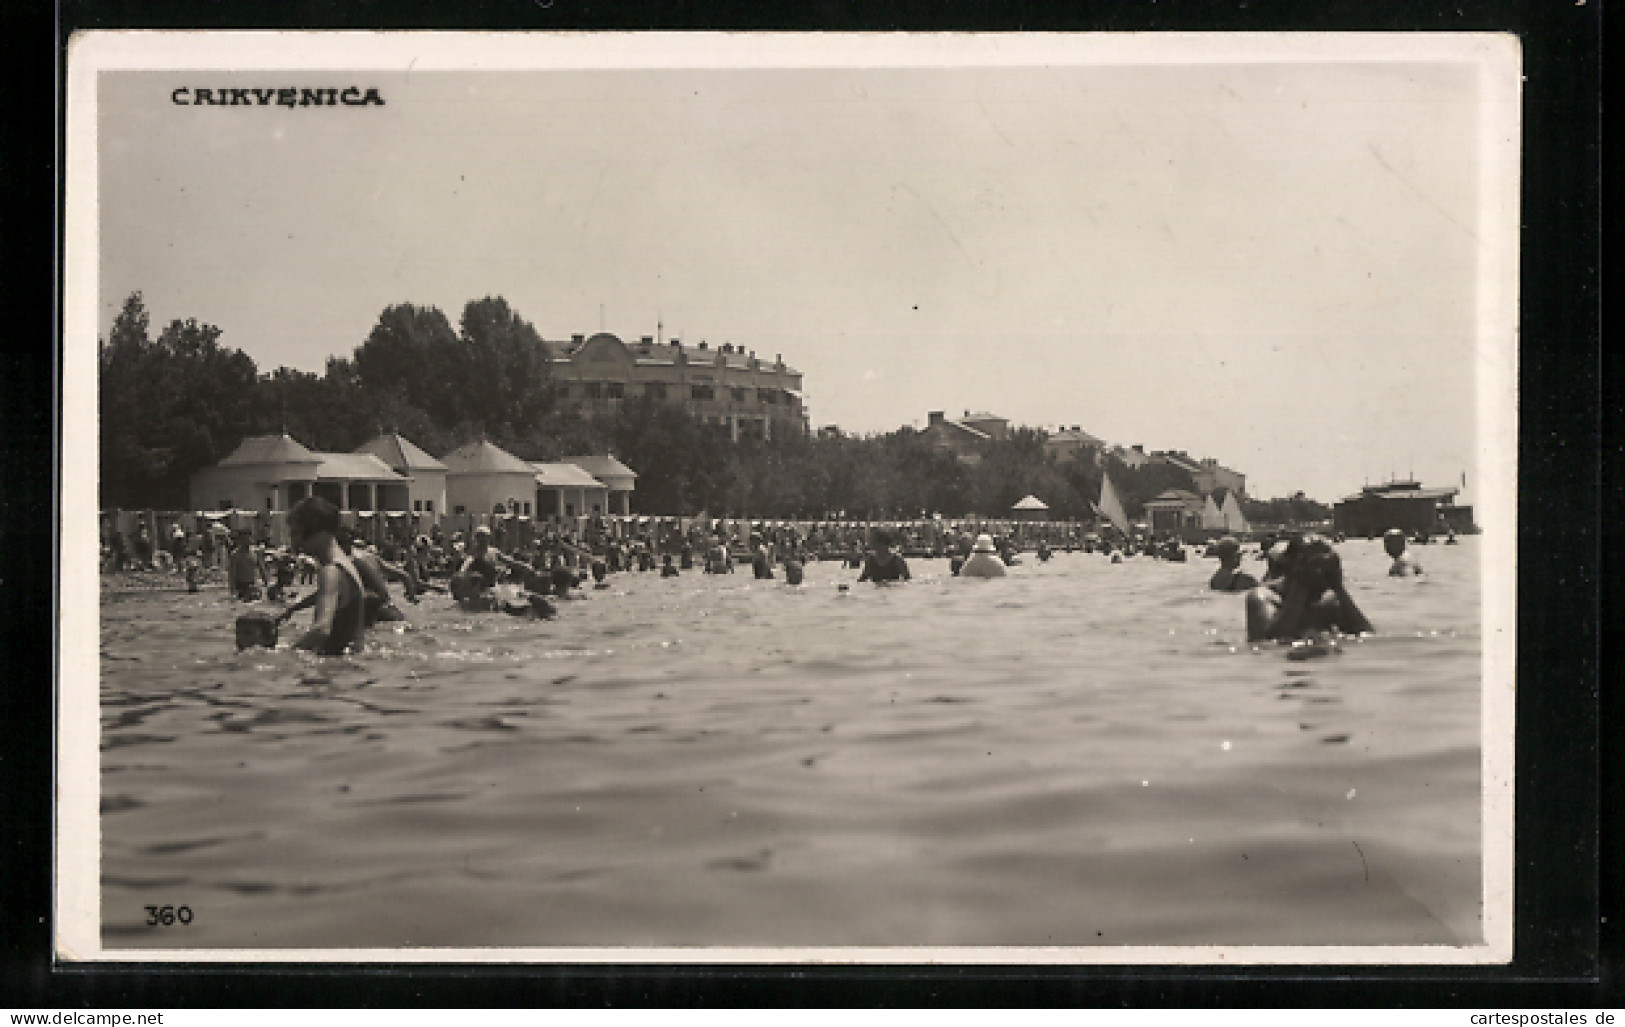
(1082, 753)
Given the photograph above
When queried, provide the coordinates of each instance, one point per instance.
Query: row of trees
(180, 401)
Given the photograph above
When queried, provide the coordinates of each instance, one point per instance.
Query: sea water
(1081, 754)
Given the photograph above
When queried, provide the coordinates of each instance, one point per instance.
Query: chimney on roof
(1076, 428)
(1138, 448)
(577, 339)
(934, 417)
(967, 413)
(702, 344)
(648, 340)
(674, 342)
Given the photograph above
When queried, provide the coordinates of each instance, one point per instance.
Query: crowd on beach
(524, 568)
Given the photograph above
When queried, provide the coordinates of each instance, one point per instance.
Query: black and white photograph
(711, 497)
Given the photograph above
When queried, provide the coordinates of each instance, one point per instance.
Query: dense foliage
(180, 402)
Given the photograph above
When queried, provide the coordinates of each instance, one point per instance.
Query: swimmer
(1404, 565)
(1229, 577)
(667, 570)
(1296, 604)
(792, 571)
(885, 563)
(246, 569)
(340, 599)
(761, 563)
(984, 561)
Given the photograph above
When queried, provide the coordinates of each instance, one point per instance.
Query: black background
(1567, 885)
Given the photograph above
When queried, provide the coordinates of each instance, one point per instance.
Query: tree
(168, 406)
(501, 375)
(408, 357)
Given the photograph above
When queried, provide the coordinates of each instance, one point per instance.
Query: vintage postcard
(672, 498)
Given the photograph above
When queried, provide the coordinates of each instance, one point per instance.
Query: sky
(1276, 265)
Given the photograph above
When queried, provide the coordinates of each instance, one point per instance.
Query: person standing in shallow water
(1404, 565)
(1298, 603)
(1229, 577)
(339, 626)
(884, 563)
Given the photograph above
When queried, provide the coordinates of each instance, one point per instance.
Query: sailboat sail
(1110, 506)
(1233, 519)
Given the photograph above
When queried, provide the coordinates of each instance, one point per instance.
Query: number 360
(168, 915)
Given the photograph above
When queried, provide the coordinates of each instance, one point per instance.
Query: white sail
(1233, 519)
(1212, 519)
(1110, 506)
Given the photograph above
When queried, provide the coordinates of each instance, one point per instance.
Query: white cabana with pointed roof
(483, 478)
(618, 478)
(426, 476)
(1212, 517)
(265, 472)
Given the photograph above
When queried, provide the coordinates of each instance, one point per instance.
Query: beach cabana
(481, 477)
(426, 476)
(265, 472)
(359, 482)
(1030, 508)
(565, 490)
(617, 478)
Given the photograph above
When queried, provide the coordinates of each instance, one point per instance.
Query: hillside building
(726, 385)
(968, 437)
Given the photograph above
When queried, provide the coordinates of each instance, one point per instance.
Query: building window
(655, 390)
(593, 390)
(738, 395)
(768, 396)
(527, 509)
(458, 510)
(563, 390)
(226, 504)
(615, 390)
(428, 506)
(417, 506)
(703, 392)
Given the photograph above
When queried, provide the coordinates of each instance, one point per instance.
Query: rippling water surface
(1082, 753)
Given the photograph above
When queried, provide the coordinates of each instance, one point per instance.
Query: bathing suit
(884, 568)
(349, 620)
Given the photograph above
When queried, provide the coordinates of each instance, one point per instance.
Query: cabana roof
(1031, 502)
(354, 467)
(567, 476)
(484, 457)
(270, 449)
(600, 466)
(397, 451)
